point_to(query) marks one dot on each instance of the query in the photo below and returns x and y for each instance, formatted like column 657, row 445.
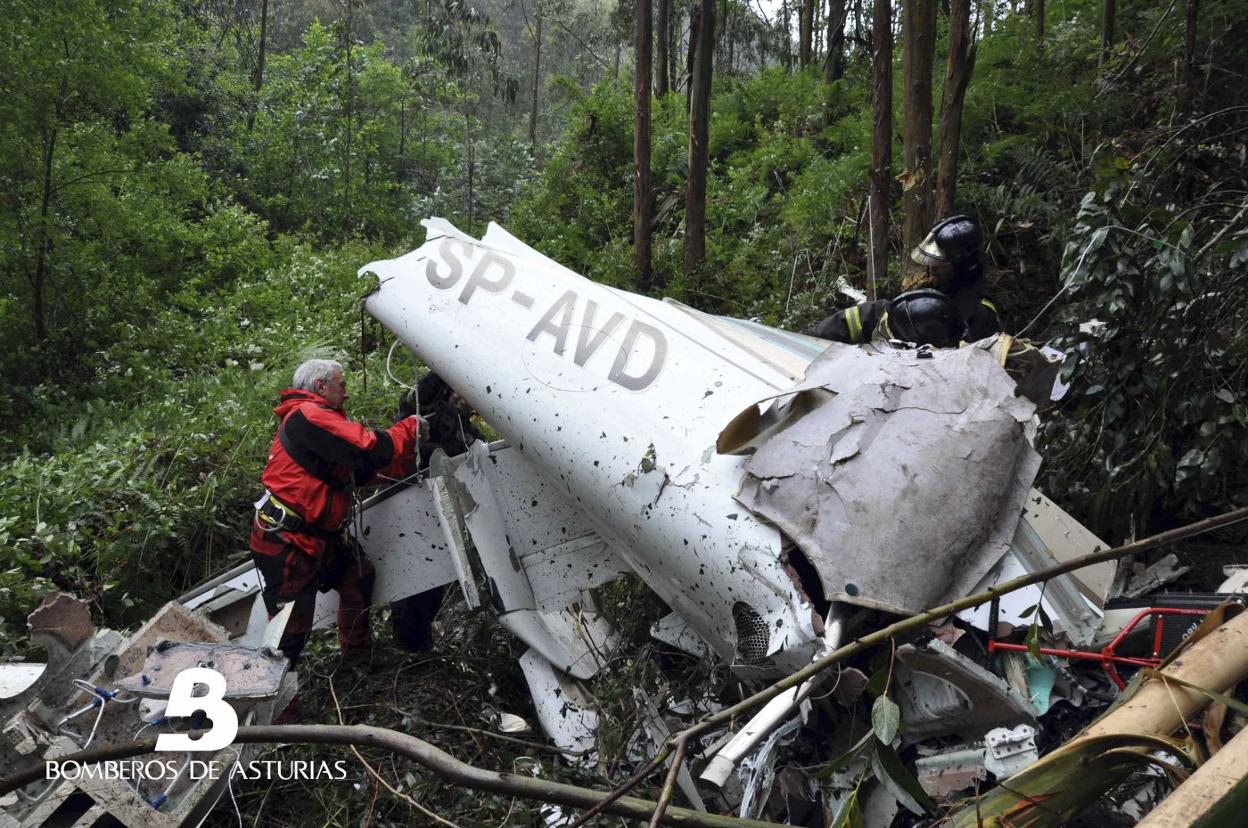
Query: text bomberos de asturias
column 157, row 769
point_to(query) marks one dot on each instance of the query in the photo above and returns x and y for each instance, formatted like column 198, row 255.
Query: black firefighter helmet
column 955, row 240
column 924, row 317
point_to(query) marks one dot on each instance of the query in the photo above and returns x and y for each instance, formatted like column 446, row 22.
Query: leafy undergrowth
column 453, row 699
column 129, row 499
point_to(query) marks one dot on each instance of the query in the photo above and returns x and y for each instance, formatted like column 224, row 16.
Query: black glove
column 408, row 405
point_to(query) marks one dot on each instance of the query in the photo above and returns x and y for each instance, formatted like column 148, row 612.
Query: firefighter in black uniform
column 944, row 300
column 450, row 429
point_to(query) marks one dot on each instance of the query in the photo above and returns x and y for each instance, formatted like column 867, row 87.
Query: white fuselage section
column 618, row 400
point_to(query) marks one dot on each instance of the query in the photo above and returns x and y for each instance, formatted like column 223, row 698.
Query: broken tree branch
column 623, row 788
column 669, row 784
column 916, row 621
column 424, row 754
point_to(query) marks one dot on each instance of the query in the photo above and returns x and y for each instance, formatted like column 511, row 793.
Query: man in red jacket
column 298, row 538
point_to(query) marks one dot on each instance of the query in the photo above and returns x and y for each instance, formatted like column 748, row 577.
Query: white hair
column 309, row 372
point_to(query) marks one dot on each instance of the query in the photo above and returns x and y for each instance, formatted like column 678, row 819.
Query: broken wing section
column 539, row 556
column 904, row 477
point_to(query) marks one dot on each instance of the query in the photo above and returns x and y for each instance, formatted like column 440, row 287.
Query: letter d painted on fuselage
column 636, row 331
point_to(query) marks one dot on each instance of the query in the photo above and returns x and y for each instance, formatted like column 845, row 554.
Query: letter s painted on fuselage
column 494, row 272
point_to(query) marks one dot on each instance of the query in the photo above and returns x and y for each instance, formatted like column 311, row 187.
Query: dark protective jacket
column 855, row 325
column 449, row 429
column 317, row 456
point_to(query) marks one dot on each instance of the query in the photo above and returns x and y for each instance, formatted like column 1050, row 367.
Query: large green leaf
column 885, row 719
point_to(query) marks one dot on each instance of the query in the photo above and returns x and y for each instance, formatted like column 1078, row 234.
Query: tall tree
column 1187, row 77
column 1107, row 31
column 918, row 30
column 805, row 33
column 663, row 56
column 881, row 136
column 349, row 110
column 958, row 70
column 76, row 79
column 702, row 49
column 834, row 65
column 537, row 74
column 258, row 79
column 786, row 31
column 642, row 209
column 1036, row 8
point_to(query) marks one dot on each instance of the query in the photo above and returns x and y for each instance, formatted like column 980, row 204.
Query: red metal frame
column 1108, row 656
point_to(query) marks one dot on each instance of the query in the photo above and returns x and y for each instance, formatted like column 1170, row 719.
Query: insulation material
column 904, row 485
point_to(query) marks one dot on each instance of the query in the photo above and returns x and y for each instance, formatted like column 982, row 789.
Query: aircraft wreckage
column 781, row 494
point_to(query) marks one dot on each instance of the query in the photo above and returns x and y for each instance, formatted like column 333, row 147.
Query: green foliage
column 1158, row 422
column 139, row 498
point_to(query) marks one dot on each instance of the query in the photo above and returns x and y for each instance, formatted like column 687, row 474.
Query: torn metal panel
column 1236, row 580
column 672, row 629
column 16, row 677
column 1065, row 539
column 945, row 775
column 404, row 523
column 1009, row 750
column 447, row 503
column 62, row 619
column 578, row 641
column 566, row 712
column 1165, row 570
column 510, row 589
column 911, row 460
column 942, row 691
column 658, row 733
column 249, row 674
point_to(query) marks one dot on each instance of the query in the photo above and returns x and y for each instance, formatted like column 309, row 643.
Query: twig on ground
column 377, row 776
column 669, row 784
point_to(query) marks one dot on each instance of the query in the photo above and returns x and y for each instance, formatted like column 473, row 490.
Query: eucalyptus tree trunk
column 834, row 66
column 662, row 44
column 43, row 239
column 699, row 127
column 537, row 74
column 786, row 16
column 805, row 32
column 1107, row 31
column 350, row 117
column 881, row 136
column 958, row 70
column 642, row 210
column 258, row 80
column 918, row 29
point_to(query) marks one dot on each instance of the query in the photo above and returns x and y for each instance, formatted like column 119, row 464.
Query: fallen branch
column 669, row 784
column 424, row 754
column 621, row 789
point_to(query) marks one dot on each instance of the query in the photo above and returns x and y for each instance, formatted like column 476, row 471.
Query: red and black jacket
column 317, row 456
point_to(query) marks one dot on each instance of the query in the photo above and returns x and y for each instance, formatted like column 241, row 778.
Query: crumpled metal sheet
column 904, row 481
